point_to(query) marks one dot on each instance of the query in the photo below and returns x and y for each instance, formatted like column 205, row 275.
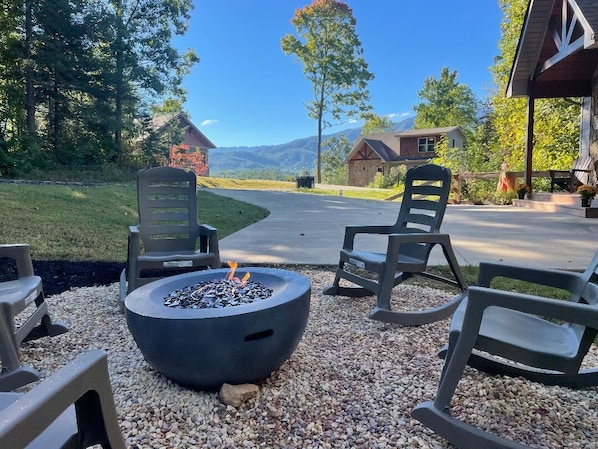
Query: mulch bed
column 61, row 275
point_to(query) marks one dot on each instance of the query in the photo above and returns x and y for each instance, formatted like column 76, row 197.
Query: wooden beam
column 529, row 135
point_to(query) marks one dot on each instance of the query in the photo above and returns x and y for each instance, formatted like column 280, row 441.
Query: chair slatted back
column 167, row 204
column 426, row 195
column 581, row 171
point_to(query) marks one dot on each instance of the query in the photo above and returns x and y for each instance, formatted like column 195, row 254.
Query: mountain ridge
column 292, row 157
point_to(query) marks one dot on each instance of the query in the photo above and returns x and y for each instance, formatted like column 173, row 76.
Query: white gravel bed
column 351, row 383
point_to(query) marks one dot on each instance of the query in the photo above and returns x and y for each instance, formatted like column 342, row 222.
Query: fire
column 233, row 266
column 231, row 276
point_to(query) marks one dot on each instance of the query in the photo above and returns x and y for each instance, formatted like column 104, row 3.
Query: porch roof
column 557, row 52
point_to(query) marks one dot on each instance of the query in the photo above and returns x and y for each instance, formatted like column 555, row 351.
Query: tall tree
column 330, row 51
column 146, row 65
column 446, row 102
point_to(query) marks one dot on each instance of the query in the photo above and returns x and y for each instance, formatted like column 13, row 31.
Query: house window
column 425, row 144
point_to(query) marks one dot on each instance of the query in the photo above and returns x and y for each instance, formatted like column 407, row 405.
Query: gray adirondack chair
column 410, row 241
column 168, row 239
column 73, row 408
column 24, row 316
column 541, row 339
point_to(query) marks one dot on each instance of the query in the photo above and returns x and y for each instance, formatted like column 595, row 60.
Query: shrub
column 478, row 190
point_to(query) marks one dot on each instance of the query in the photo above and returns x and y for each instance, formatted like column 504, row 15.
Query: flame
column 245, row 278
column 231, row 276
column 233, row 266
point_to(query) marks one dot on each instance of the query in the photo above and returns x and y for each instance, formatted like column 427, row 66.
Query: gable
column 193, row 136
column 383, row 146
column 557, row 50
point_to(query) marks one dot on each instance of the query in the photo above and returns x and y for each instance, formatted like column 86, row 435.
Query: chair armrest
column 208, row 239
column 554, row 173
column 84, row 382
column 134, row 241
column 352, row 231
column 20, row 253
column 567, row 280
column 421, row 237
column 205, row 229
column 429, row 238
column 480, row 298
column 133, row 248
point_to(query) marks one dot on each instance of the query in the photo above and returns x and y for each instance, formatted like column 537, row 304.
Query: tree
column 331, row 54
column 146, row 65
column 75, row 76
column 375, row 123
column 556, row 121
column 334, row 169
column 445, row 102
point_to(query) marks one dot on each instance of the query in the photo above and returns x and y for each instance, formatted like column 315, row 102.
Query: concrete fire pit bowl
column 204, row 348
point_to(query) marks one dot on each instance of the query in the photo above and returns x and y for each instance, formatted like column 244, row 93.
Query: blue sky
column 245, row 91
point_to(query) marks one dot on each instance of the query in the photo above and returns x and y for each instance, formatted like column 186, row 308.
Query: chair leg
column 122, row 291
column 382, row 312
column 333, row 289
column 17, row 378
column 13, row 375
column 462, row 435
column 46, row 328
column 436, row 414
column 337, row 290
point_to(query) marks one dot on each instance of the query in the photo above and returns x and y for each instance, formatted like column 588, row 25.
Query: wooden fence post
column 456, row 189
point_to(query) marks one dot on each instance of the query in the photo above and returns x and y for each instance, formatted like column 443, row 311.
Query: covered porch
column 557, row 57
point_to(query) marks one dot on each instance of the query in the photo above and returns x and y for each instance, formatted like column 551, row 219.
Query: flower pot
column 585, row 202
column 521, row 195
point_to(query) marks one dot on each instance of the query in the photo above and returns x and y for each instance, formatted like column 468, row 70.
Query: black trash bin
column 305, row 181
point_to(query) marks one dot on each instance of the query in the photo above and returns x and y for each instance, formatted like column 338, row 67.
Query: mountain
column 292, row 157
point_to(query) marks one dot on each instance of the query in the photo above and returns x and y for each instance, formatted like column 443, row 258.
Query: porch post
column 529, row 135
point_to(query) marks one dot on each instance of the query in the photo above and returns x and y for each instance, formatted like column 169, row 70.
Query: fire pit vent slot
column 259, row 335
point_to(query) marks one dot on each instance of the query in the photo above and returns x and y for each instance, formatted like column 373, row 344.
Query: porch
column 560, row 203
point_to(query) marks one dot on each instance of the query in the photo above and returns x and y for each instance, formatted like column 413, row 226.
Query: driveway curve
column 308, row 229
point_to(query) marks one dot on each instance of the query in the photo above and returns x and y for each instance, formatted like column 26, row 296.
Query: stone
column 236, row 395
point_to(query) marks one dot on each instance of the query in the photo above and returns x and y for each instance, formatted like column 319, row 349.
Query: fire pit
column 203, row 348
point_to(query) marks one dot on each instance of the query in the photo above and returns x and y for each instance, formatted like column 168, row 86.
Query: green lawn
column 91, row 223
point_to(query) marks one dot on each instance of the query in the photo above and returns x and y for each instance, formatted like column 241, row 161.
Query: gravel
column 351, row 383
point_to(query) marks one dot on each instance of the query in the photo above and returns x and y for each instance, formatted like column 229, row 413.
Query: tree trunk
column 319, row 153
column 29, row 94
column 119, row 86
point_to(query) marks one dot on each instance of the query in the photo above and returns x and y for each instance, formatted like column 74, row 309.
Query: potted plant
column 587, row 193
column 522, row 189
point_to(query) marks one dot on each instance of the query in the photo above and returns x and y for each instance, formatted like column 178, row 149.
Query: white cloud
column 208, row 122
column 398, row 114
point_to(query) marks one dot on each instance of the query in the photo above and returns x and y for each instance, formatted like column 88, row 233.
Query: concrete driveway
column 309, row 229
